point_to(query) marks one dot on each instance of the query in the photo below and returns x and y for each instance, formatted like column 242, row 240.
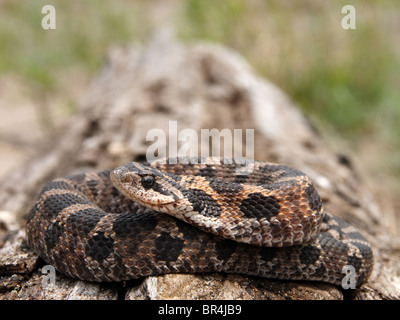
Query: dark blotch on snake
column 126, row 226
column 92, row 184
column 84, row 221
column 224, row 187
column 167, row 248
column 314, row 201
column 225, row 249
column 309, row 255
column 99, row 247
column 54, row 204
column 355, row 262
column 203, row 203
column 267, row 254
column 191, row 234
column 115, row 192
column 255, row 205
column 53, row 233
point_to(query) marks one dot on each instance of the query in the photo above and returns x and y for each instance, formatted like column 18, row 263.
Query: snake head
column 146, row 186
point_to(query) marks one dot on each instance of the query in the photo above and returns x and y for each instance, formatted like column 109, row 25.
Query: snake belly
column 88, row 229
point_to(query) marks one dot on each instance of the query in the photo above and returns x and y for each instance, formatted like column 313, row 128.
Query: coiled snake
column 142, row 219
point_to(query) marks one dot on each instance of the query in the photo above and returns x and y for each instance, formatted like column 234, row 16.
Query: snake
column 206, row 216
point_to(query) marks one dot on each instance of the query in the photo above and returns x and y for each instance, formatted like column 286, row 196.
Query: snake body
column 148, row 219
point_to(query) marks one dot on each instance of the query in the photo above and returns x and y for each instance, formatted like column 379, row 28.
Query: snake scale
column 148, row 219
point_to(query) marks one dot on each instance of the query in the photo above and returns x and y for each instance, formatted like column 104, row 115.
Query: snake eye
column 148, row 182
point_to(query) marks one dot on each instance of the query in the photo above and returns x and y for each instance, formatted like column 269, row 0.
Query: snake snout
column 121, row 174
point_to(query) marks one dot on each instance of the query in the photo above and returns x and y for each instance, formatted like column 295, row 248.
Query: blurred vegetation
column 84, row 32
column 347, row 81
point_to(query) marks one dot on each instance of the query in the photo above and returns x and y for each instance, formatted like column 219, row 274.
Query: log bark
column 201, row 86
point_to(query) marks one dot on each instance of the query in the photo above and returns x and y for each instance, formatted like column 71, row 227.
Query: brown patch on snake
column 88, row 230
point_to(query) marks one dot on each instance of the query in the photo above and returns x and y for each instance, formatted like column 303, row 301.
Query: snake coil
column 141, row 219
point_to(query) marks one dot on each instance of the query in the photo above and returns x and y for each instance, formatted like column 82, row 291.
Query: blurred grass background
column 346, row 81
